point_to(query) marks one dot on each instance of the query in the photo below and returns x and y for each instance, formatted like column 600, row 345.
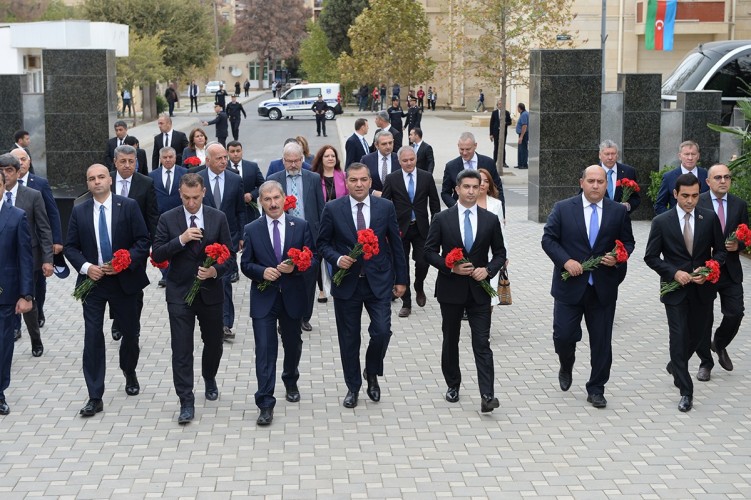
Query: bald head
column 593, row 183
column 24, row 160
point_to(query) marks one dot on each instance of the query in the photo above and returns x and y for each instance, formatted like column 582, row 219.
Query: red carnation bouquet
column 367, row 246
column 158, row 265
column 301, row 259
column 193, row 161
column 216, row 252
column 619, row 252
column 290, row 202
column 120, row 261
column 711, row 270
column 742, row 233
column 629, row 187
column 456, row 256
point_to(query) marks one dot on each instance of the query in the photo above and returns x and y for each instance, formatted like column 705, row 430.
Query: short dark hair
column 125, row 149
column 8, row 160
column 685, row 180
column 467, row 172
column 522, row 106
column 232, row 144
column 20, row 134
column 359, row 123
column 191, row 180
column 131, row 141
column 417, row 131
column 121, row 123
column 356, row 166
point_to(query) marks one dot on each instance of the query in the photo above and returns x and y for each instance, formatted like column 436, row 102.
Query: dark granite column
column 79, row 101
column 11, row 109
column 699, row 108
column 641, row 131
column 564, row 124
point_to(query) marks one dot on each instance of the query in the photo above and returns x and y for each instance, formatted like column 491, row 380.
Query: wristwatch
column 30, row 298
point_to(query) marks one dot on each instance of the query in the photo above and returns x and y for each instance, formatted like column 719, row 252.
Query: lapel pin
column 701, row 217
column 291, row 223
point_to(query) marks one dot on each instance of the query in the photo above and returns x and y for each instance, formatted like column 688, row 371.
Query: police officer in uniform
column 319, row 108
column 234, row 109
column 414, row 115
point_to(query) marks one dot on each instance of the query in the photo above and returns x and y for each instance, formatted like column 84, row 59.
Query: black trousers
column 687, row 322
column 321, row 124
column 182, row 320
column 479, row 325
column 193, row 102
column 235, row 124
column 414, row 241
column 567, row 332
column 731, row 304
column 310, row 289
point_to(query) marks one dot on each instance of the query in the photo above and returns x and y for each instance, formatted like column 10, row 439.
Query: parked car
column 298, row 101
column 723, row 66
column 213, row 86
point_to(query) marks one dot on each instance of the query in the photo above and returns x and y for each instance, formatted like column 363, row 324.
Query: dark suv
column 723, row 66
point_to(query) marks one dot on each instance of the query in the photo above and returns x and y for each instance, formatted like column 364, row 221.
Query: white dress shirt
column 212, row 183
column 588, row 212
column 405, row 176
column 108, row 216
column 681, row 214
column 472, row 219
column 119, row 183
column 172, row 178
column 14, row 194
column 471, row 164
column 380, row 165
column 270, row 226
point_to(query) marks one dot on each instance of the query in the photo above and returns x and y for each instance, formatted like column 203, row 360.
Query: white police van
column 298, row 101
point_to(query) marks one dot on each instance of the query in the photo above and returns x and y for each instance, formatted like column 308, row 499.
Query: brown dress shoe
column 420, row 298
column 404, row 312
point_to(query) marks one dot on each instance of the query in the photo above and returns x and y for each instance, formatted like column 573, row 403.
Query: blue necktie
column 104, row 237
column 594, row 228
column 611, row 185
column 277, row 242
column 411, row 192
column 469, row 238
column 9, row 198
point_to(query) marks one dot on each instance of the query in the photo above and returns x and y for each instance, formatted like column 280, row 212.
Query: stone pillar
column 11, row 109
column 641, row 131
column 699, row 108
column 564, row 124
column 80, row 99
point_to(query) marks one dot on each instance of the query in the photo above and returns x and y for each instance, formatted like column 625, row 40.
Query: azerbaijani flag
column 658, row 28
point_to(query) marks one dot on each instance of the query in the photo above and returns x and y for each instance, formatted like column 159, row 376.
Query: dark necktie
column 411, row 191
column 20, row 181
column 360, row 217
column 277, row 242
column 195, row 246
column 384, row 170
column 166, row 140
column 9, row 198
column 365, row 145
column 168, row 187
column 217, row 193
column 104, row 236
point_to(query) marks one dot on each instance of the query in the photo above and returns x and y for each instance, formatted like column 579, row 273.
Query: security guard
column 319, row 108
column 234, row 109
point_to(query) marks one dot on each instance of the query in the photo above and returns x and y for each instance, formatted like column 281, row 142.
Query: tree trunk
column 149, row 102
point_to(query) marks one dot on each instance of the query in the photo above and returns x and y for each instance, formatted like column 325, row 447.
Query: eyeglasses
column 292, row 162
column 719, row 178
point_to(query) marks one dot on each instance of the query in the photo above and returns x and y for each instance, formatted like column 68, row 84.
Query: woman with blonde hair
column 488, row 199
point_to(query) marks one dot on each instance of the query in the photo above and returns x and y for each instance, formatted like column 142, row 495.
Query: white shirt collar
column 25, row 179
column 107, row 203
column 463, row 209
column 587, row 203
column 270, row 221
column 198, row 214
column 353, row 202
column 119, row 180
column 715, row 198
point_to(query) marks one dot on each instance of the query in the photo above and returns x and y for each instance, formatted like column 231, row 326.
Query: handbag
column 504, row 287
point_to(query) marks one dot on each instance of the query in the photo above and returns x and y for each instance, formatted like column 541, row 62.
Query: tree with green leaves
column 316, row 60
column 272, row 29
column 16, row 11
column 390, row 42
column 144, row 64
column 336, row 18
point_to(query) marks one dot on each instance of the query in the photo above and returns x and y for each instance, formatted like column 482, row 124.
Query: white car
column 299, row 100
column 213, row 86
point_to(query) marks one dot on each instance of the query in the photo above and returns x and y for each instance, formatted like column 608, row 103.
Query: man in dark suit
column 166, row 180
column 278, row 164
column 478, row 233
column 500, row 119
column 269, row 240
column 31, row 202
column 688, row 153
column 222, row 124
column 306, row 187
column 578, row 228
column 468, row 159
column 370, row 283
column 225, row 192
column 381, row 162
column 731, row 211
column 423, row 150
column 22, row 140
column 616, row 171
column 382, row 122
column 26, row 178
column 356, row 146
column 168, row 137
column 416, row 201
column 193, row 94
column 251, row 175
column 121, row 132
column 680, row 241
column 16, row 280
column 99, row 227
column 181, row 238
column 142, row 164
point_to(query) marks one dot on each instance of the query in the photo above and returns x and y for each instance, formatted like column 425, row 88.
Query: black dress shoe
column 132, row 387
column 116, row 334
column 212, row 391
column 564, row 379
column 404, row 312
column 488, row 403
column 350, row 400
column 703, row 375
column 41, row 322
column 235, row 278
column 452, row 395
column 293, row 394
column 93, row 406
column 723, row 358
column 228, row 333
column 420, row 298
column 4, row 408
column 323, row 300
column 187, row 413
column 16, row 335
column 374, row 390
column 305, row 325
column 687, row 402
column 266, row 416
column 597, row 400
column 37, row 350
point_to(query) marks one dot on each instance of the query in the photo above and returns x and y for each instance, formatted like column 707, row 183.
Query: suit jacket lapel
column 289, row 235
column 347, row 217
column 117, row 211
column 455, row 232
column 266, row 239
column 579, row 218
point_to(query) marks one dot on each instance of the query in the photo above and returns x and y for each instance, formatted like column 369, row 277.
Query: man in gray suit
column 30, row 201
column 306, row 187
